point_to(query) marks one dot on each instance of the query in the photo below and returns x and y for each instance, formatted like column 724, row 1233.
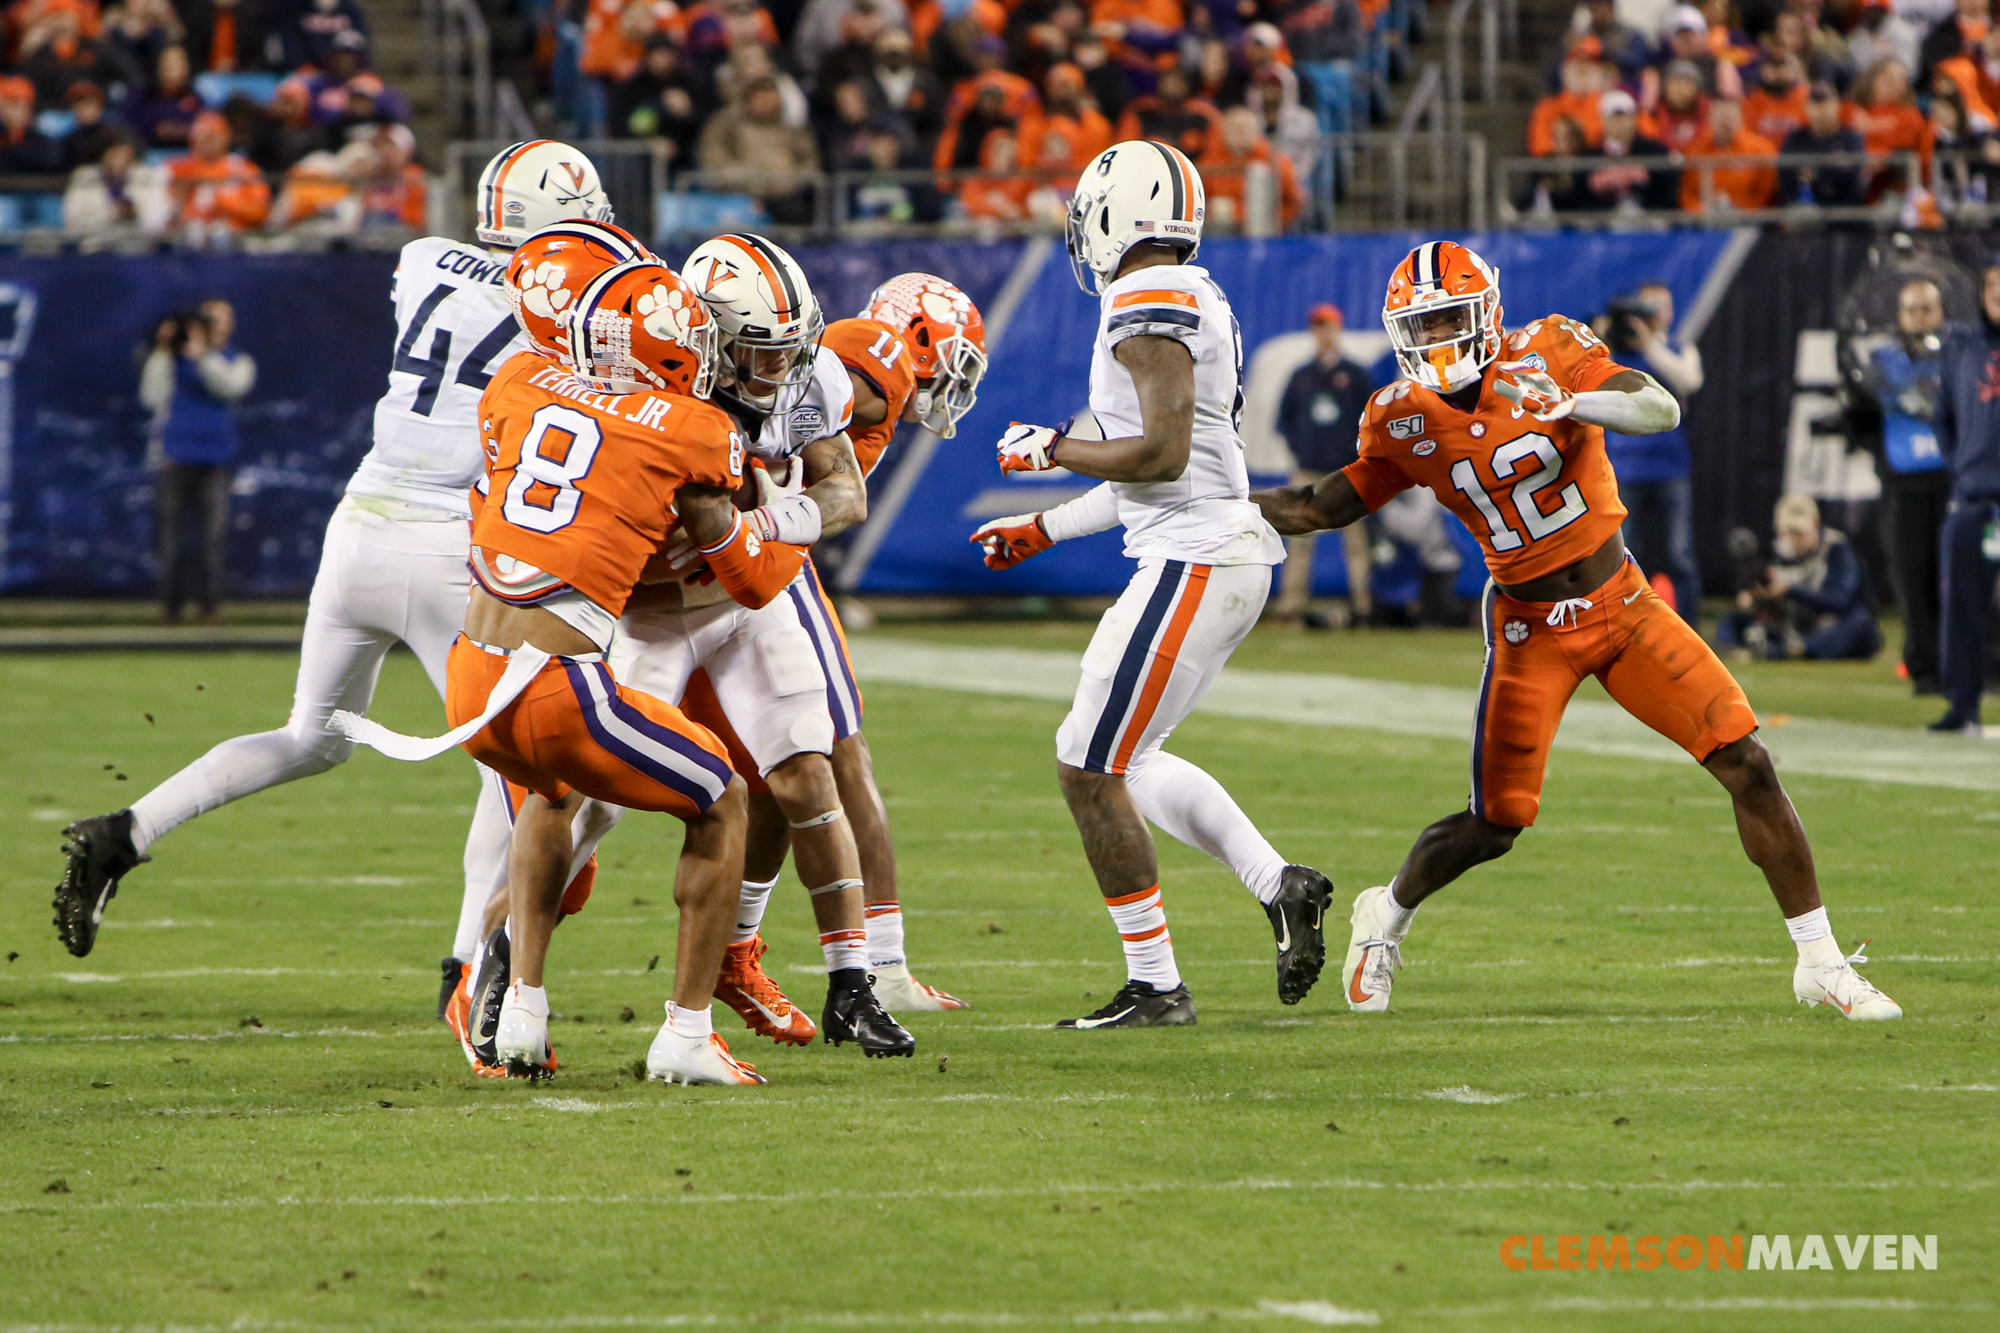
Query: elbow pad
column 751, row 570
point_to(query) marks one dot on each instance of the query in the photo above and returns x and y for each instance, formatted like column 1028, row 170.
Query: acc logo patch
column 807, row 422
column 1535, row 359
column 1406, row 428
column 1424, row 448
column 1516, row 631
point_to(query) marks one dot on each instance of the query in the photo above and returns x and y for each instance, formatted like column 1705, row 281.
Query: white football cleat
column 691, row 1060
column 521, row 1040
column 898, row 990
column 1839, row 985
column 1372, row 957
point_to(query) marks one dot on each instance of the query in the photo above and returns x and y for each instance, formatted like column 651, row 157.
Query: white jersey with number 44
column 454, row 328
column 1205, row 515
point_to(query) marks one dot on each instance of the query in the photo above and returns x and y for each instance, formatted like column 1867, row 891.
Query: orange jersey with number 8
column 580, row 484
column 877, row 354
column 1538, row 495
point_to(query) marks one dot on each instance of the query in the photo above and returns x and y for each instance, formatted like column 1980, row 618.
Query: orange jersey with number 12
column 580, row 484
column 1538, row 495
column 877, row 354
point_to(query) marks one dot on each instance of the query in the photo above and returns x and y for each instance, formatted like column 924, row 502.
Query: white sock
column 1189, row 805
column 485, row 863
column 1149, row 949
column 532, row 998
column 693, row 1024
column 232, row 769
column 1399, row 915
column 885, row 934
column 844, row 949
column 1814, row 936
column 751, row 900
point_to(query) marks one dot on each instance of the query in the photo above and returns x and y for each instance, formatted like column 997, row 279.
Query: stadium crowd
column 1024, row 92
column 1914, row 84
column 204, row 120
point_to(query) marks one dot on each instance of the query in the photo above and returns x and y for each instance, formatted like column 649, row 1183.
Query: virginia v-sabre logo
column 1524, row 1253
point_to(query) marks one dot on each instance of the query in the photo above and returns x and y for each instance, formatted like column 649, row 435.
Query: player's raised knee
column 1744, row 767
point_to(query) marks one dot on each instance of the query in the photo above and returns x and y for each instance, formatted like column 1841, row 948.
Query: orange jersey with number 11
column 878, row 355
column 580, row 484
column 1538, row 495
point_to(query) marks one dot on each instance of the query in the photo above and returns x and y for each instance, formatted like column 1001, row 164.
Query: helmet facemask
column 1446, row 345
column 950, row 394
column 1083, row 209
column 769, row 375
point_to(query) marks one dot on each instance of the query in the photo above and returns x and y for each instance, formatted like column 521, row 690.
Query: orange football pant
column 575, row 727
column 1537, row 653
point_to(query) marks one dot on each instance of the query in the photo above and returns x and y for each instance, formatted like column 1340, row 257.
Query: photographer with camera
column 191, row 381
column 1810, row 601
column 1652, row 470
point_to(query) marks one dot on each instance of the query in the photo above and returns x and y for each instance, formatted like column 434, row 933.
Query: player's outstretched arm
column 1630, row 402
column 1163, row 374
column 1294, row 510
column 835, row 484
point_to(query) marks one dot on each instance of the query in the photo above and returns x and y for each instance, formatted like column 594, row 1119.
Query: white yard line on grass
column 1802, row 745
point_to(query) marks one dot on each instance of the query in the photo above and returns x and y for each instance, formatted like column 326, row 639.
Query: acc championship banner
column 1040, row 369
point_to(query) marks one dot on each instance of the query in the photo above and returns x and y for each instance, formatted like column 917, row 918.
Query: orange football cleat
column 458, row 1015
column 745, row 987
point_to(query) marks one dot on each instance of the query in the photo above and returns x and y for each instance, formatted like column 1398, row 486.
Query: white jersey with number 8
column 454, row 328
column 1205, row 515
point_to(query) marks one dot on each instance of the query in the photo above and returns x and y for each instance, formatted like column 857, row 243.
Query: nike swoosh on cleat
column 1100, row 1022
column 1834, row 1000
column 1285, row 940
column 784, row 1025
column 1354, row 991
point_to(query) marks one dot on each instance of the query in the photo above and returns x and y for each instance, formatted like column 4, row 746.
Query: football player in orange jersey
column 596, row 468
column 1515, row 448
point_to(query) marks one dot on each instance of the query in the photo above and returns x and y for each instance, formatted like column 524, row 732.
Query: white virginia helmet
column 770, row 319
column 533, row 184
column 1139, row 190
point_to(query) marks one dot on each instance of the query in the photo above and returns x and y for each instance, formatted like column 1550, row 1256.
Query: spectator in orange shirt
column 1172, row 116
column 1232, row 161
column 1777, row 105
column 609, row 55
column 1681, row 115
column 216, row 193
column 1886, row 116
column 1973, row 74
column 1004, row 199
column 1745, row 186
column 1584, row 80
column 1151, row 26
column 981, row 104
column 392, row 193
column 1072, row 130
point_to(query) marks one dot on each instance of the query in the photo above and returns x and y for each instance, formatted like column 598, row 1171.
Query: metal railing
column 1455, row 25
column 463, row 47
column 1531, row 191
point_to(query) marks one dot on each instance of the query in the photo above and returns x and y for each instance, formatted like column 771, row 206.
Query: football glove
column 1009, row 541
column 794, row 519
column 1026, row 448
column 1532, row 391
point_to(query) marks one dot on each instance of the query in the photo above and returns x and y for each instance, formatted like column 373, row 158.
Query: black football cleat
column 99, row 852
column 488, row 994
column 1139, row 1005
column 1297, row 915
column 453, row 970
column 854, row 1014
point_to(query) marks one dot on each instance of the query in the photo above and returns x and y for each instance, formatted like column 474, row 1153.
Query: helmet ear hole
column 1104, row 220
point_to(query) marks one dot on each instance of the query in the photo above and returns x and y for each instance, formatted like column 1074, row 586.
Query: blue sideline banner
column 1040, row 371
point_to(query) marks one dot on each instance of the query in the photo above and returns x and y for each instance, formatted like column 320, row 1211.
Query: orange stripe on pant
column 1162, row 668
column 1647, row 658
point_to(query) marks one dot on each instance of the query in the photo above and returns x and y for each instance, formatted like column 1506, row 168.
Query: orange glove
column 1009, row 541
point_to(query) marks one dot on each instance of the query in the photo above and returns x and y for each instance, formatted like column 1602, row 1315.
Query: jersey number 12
column 1507, row 460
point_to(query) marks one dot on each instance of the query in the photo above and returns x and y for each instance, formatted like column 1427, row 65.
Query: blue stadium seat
column 215, row 89
column 707, row 214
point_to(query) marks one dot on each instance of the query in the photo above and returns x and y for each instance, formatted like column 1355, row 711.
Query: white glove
column 795, row 519
column 1026, row 448
column 1532, row 391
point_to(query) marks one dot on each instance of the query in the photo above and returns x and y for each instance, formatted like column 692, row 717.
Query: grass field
column 239, row 1113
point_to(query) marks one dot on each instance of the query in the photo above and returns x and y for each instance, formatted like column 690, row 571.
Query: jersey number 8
column 560, row 446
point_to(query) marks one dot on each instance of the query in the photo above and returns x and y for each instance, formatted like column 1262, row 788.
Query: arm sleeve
column 1679, row 370
column 1377, row 480
column 156, row 381
column 1096, row 510
column 227, row 377
column 753, row 573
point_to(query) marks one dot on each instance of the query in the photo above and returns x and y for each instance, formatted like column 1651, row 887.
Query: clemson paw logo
column 1516, row 631
column 543, row 290
column 664, row 311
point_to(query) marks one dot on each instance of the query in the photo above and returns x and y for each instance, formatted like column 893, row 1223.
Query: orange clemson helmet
column 947, row 341
column 552, row 267
column 639, row 326
column 1443, row 315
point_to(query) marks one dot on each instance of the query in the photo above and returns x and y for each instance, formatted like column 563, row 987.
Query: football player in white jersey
column 1166, row 391
column 393, row 564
